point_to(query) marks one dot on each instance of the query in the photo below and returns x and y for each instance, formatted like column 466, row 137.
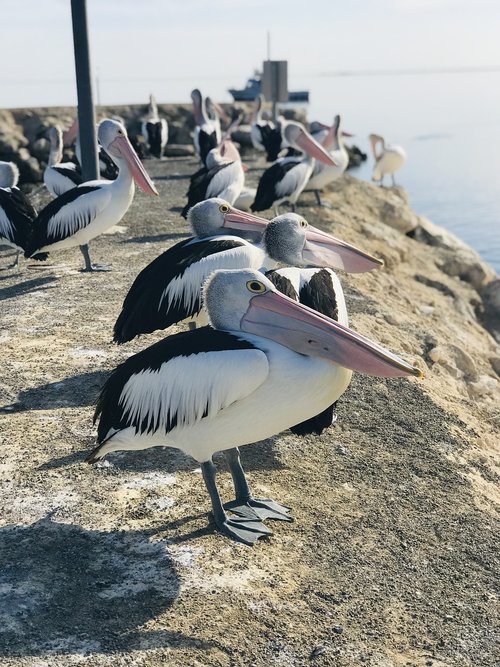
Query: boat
column 252, row 89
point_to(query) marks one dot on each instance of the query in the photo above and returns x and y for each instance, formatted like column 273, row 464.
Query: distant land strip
column 413, row 71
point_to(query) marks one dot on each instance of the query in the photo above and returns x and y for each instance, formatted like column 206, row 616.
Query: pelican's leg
column 276, row 211
column 15, row 263
column 293, row 207
column 393, row 181
column 245, row 504
column 320, row 202
column 246, row 530
column 88, row 264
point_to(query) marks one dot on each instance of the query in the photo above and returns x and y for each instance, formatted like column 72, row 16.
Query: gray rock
column 12, row 137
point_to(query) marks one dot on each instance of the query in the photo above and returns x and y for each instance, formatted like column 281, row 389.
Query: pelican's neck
column 56, row 151
column 374, row 140
column 125, row 180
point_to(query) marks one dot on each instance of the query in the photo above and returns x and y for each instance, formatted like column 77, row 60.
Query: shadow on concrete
column 27, row 286
column 75, row 391
column 67, row 590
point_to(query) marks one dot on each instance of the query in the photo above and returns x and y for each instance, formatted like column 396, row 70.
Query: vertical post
column 86, row 113
column 268, row 45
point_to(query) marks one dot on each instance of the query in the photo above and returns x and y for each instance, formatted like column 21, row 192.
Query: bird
column 154, row 130
column 235, row 382
column 167, row 290
column 388, row 160
column 320, row 289
column 207, row 133
column 222, row 176
column 107, row 168
column 264, row 134
column 287, row 177
column 16, row 213
column 59, row 176
column 321, row 174
column 81, row 214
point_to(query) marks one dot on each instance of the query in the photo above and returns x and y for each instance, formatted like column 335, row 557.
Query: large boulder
column 12, row 137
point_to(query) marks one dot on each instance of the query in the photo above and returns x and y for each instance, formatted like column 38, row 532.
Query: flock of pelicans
column 268, row 348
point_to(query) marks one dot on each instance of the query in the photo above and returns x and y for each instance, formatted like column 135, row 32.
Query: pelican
column 59, row 176
column 223, row 176
column 167, row 291
column 207, row 134
column 16, row 213
column 322, row 175
column 154, row 130
column 233, row 383
column 84, row 212
column 264, row 134
column 320, row 289
column 286, row 178
column 388, row 160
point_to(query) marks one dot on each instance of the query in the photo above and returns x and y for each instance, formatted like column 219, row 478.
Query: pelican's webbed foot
column 263, row 508
column 242, row 529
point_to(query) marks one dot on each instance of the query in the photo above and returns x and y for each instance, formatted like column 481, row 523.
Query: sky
column 169, row 47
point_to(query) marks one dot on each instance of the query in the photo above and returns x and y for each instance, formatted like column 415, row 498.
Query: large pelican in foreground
column 388, row 159
column 84, row 212
column 167, row 291
column 233, row 383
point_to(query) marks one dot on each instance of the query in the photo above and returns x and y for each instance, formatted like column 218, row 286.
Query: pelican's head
column 216, row 216
column 113, row 138
column 291, row 240
column 244, row 300
column 296, row 135
column 9, row 174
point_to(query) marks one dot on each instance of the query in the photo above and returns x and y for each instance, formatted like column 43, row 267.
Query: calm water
column 449, row 125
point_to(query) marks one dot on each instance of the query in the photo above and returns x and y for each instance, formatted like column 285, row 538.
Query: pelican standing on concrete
column 167, row 291
column 388, row 159
column 234, row 383
column 59, row 176
column 322, row 175
column 207, row 132
column 286, row 178
column 16, row 213
column 154, row 130
column 84, row 212
column 223, row 176
column 264, row 134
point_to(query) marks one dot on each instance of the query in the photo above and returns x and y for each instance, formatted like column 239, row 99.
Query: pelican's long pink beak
column 241, row 220
column 123, row 148
column 321, row 249
column 310, row 146
column 277, row 317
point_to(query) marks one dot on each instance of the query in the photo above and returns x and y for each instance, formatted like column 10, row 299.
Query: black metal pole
column 86, row 113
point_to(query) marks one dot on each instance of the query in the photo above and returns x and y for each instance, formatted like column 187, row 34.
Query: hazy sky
column 170, row 46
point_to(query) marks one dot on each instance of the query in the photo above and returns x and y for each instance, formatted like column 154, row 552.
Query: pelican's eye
column 223, row 208
column 256, row 286
column 303, row 223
